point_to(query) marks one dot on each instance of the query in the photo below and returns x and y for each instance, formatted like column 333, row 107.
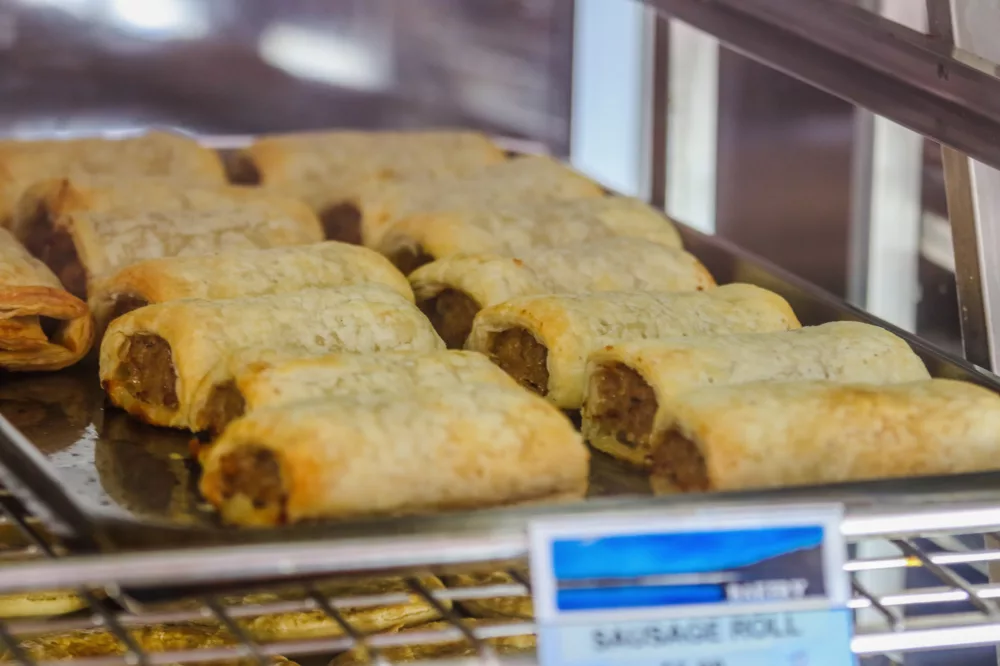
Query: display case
column 297, row 594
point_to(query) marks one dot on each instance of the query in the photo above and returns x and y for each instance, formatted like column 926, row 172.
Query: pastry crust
column 82, row 247
column 264, row 378
column 616, row 264
column 155, row 154
column 329, row 170
column 523, row 179
column 630, row 386
column 423, row 651
column 514, row 228
column 30, row 298
column 472, row 446
column 556, row 333
column 242, row 273
column 775, row 434
column 160, row 362
column 520, row 607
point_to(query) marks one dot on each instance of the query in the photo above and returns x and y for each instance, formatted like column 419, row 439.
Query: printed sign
column 717, row 587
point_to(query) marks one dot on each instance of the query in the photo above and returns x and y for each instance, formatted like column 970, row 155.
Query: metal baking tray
column 105, row 481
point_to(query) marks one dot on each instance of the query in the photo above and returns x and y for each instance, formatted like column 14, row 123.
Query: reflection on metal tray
column 123, row 484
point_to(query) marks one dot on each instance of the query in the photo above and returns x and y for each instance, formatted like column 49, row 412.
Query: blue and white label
column 719, row 587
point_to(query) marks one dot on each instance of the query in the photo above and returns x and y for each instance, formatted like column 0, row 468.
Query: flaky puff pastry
column 242, row 273
column 150, row 638
column 517, row 606
column 432, row 647
column 544, row 341
column 517, row 180
column 481, row 280
column 471, row 446
column 81, row 247
column 161, row 362
column 630, row 386
column 30, row 297
column 156, row 154
column 775, row 434
column 264, row 378
column 513, row 228
column 329, row 170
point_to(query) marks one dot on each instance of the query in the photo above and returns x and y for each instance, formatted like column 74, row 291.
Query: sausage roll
column 328, row 170
column 422, row 650
column 155, row 362
column 156, row 154
column 42, row 326
column 468, row 446
column 543, row 341
column 514, row 228
column 513, row 606
column 151, row 638
column 630, row 385
column 38, row 604
column 299, row 625
column 80, row 247
column 522, row 179
column 774, row 434
column 269, row 379
column 242, row 273
column 451, row 291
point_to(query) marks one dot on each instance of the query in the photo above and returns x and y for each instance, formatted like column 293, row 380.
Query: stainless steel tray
column 105, row 481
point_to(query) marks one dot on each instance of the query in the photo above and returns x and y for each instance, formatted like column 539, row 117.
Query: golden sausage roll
column 519, row 180
column 630, row 386
column 421, row 650
column 543, row 341
column 329, row 170
column 156, row 154
column 775, row 434
column 470, row 446
column 451, row 291
column 39, row 603
column 241, row 273
column 80, row 247
column 263, row 378
column 42, row 326
column 160, row 362
column 514, row 228
column 513, row 606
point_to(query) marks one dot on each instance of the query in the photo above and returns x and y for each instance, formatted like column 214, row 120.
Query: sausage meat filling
column 409, row 259
column 521, row 356
column 147, row 370
column 126, row 303
column 342, row 222
column 254, row 472
column 677, row 459
column 225, row 403
column 451, row 313
column 55, row 248
column 623, row 404
column 241, row 169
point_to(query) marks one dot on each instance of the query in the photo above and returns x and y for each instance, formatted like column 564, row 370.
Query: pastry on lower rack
column 154, row 360
column 451, row 291
column 264, row 378
column 513, row 607
column 472, row 227
column 471, row 446
column 776, row 434
column 630, row 385
column 414, row 610
column 150, row 638
column 328, row 170
column 155, row 154
column 45, row 603
column 543, row 341
column 241, row 273
column 80, row 247
column 421, row 649
column 519, row 180
column 42, row 326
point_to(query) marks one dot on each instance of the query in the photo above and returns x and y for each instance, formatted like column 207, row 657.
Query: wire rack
column 954, row 605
